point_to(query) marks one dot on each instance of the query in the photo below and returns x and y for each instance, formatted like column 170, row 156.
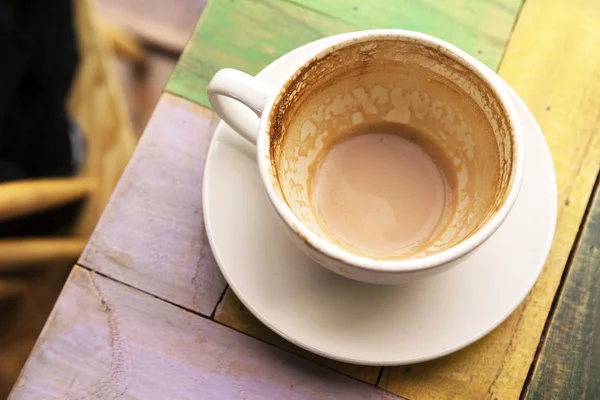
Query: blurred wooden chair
column 97, row 104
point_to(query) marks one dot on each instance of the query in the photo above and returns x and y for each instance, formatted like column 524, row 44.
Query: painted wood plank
column 106, row 340
column 232, row 312
column 497, row 365
column 151, row 234
column 558, row 77
column 249, row 34
column 569, row 362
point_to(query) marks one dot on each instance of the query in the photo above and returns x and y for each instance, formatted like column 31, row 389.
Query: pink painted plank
column 105, row 340
column 151, row 234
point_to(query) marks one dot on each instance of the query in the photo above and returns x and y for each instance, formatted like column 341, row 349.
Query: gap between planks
column 560, row 289
column 212, row 319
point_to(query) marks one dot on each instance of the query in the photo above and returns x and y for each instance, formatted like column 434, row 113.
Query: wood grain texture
column 232, row 312
column 249, row 34
column 541, row 64
column 569, row 363
column 151, row 234
column 106, row 340
column 562, row 95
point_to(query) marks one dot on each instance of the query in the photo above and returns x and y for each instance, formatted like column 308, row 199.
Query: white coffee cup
column 402, row 76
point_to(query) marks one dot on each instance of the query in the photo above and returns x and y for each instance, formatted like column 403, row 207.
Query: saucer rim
column 520, row 104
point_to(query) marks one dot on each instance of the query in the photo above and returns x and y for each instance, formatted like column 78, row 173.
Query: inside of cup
column 395, row 81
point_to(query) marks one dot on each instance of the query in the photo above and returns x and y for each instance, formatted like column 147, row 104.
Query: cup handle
column 233, row 84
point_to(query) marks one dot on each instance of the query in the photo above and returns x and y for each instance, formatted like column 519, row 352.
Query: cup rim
column 366, row 263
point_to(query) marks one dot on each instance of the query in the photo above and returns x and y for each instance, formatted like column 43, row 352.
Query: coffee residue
column 382, row 191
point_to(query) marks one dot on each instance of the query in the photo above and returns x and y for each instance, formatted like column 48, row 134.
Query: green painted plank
column 569, row 363
column 249, row 34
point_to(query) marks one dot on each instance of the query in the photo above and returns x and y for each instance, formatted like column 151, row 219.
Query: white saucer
column 361, row 323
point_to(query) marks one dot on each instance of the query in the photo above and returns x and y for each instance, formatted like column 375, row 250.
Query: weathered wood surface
column 151, row 234
column 231, row 312
column 569, row 363
column 249, row 34
column 509, row 350
column 540, row 63
column 106, row 340
column 142, row 237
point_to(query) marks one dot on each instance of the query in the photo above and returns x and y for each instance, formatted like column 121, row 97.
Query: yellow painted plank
column 553, row 62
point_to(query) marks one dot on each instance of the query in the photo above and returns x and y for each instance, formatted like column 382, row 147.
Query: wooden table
column 146, row 313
